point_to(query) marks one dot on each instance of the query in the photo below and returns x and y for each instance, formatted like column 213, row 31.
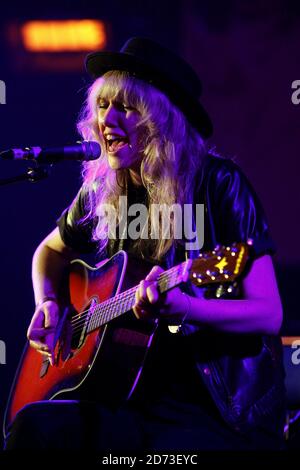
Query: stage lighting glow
column 63, row 35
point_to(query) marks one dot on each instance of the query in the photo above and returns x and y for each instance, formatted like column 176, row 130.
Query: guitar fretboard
column 106, row 311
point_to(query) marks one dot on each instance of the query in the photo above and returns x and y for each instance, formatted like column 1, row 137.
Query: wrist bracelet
column 45, row 299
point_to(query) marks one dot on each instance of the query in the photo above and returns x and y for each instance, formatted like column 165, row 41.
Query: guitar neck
column 122, row 303
column 223, row 264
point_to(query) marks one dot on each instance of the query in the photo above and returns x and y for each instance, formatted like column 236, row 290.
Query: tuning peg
column 227, row 273
column 198, row 277
column 212, row 274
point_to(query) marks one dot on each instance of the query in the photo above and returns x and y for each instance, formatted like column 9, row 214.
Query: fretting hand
column 150, row 303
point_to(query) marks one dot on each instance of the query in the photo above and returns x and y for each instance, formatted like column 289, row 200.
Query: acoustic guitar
column 98, row 339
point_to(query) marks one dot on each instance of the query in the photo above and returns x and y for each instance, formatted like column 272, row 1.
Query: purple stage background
column 247, row 54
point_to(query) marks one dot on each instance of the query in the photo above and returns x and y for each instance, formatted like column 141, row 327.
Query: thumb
column 51, row 317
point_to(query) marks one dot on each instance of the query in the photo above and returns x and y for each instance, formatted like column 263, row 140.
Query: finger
column 141, row 313
column 152, row 293
column 43, row 343
column 45, row 354
column 49, row 341
column 141, row 294
column 154, row 273
column 138, row 307
column 40, row 347
column 51, row 317
column 137, row 311
column 37, row 323
column 137, row 297
column 36, row 334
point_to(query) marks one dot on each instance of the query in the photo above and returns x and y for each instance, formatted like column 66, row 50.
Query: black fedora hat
column 153, row 63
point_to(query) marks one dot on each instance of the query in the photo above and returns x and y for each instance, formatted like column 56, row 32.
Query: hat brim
column 98, row 63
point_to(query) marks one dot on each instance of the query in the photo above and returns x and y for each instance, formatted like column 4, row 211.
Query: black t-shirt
column 233, row 213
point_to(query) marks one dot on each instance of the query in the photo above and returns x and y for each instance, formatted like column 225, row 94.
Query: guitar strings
column 109, row 304
column 103, row 308
column 164, row 277
column 99, row 309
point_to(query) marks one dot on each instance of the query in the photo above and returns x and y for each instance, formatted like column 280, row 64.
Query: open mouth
column 114, row 143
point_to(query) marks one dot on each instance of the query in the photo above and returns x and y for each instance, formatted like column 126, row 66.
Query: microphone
column 82, row 151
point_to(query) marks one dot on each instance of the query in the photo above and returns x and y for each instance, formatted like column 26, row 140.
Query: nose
column 110, row 117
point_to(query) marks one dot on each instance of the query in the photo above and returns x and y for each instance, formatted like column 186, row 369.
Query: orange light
column 62, row 36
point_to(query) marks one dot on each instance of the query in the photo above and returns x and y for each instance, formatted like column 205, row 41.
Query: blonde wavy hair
column 172, row 154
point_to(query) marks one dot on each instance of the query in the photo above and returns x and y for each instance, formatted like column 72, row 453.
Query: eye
column 123, row 107
column 102, row 105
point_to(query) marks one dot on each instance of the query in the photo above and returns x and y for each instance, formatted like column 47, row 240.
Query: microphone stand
column 44, row 159
column 32, row 175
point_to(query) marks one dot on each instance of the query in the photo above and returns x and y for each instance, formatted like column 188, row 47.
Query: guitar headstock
column 223, row 264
